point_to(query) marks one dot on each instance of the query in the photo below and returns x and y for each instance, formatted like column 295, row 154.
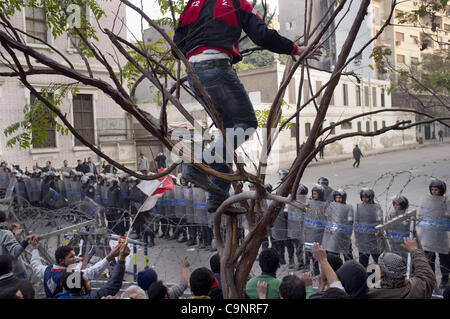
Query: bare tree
column 236, row 260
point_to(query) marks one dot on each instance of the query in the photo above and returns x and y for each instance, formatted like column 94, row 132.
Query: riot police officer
column 339, row 226
column 400, row 230
column 434, row 226
column 87, row 189
column 328, row 191
column 368, row 215
column 114, row 208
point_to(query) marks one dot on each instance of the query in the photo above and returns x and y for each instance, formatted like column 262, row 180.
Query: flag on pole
column 154, row 189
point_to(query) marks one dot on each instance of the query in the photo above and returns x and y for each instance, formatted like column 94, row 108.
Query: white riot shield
column 188, row 195
column 314, row 222
column 338, row 229
column 180, row 202
column 10, row 189
column 397, row 232
column 200, row 212
column 366, row 219
column 434, row 224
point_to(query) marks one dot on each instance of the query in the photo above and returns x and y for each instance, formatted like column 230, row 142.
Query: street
column 406, row 171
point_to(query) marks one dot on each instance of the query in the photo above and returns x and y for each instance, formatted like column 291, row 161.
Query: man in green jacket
column 269, row 263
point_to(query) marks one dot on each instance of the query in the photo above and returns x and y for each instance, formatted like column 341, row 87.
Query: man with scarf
column 394, row 284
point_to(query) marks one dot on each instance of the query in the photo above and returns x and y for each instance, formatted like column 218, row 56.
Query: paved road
column 406, row 171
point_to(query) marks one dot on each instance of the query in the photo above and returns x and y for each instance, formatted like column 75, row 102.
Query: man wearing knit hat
column 394, row 284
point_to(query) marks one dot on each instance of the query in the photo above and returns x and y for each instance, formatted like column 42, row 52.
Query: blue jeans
column 234, row 106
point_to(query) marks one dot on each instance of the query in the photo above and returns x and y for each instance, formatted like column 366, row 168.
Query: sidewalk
column 344, row 157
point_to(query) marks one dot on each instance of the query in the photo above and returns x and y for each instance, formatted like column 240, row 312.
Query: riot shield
column 294, row 222
column 170, row 203
column 104, row 195
column 314, row 222
column 50, row 198
column 3, row 178
column 21, row 193
column 28, row 187
column 180, row 202
column 124, row 189
column 338, row 228
column 397, row 232
column 200, row 212
column 161, row 205
column 366, row 216
column 36, row 185
column 280, row 226
column 188, row 196
column 68, row 188
column 76, row 190
column 98, row 194
column 434, row 224
column 328, row 193
column 10, row 189
column 89, row 206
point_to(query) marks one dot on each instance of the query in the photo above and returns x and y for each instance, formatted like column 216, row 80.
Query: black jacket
column 114, row 197
column 357, row 153
column 12, row 282
column 219, row 23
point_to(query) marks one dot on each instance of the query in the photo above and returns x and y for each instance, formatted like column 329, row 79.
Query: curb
column 383, row 151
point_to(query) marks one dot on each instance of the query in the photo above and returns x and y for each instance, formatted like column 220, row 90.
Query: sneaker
column 194, row 175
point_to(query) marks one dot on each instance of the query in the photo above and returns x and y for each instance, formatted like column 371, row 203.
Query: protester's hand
column 261, row 289
column 30, row 238
column 35, row 242
column 319, row 253
column 13, row 226
column 314, row 55
column 185, row 262
column 306, row 277
column 410, row 244
column 124, row 251
column 113, row 253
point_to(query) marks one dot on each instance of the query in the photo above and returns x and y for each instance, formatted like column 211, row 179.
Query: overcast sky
column 152, row 10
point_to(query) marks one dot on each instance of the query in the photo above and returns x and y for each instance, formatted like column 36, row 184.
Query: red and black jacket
column 218, row 24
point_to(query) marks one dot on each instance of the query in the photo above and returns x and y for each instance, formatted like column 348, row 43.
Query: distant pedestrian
column 441, row 136
column 321, row 149
column 90, row 166
column 357, row 156
column 66, row 167
column 161, row 160
column 142, row 164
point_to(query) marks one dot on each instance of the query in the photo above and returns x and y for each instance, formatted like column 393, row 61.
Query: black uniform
column 114, row 211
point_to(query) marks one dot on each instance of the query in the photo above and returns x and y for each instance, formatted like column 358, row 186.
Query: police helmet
column 367, row 192
column 85, row 179
column 302, row 190
column 439, row 184
column 401, row 200
column 342, row 193
column 319, row 189
column 283, row 173
column 323, row 181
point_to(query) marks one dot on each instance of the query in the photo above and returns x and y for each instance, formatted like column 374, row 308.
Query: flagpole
column 139, row 210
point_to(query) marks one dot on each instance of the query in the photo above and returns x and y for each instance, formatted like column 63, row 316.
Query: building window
column 366, row 96
column 399, row 37
column 83, row 28
column 374, row 97
column 367, row 126
column 345, row 88
column 307, row 129
column 400, row 58
column 359, row 127
column 83, row 117
column 293, row 130
column 306, row 95
column 35, row 24
column 383, row 104
column 358, row 95
column 50, row 141
column 318, row 87
column 333, row 130
column 375, row 126
column 414, row 39
column 346, row 126
column 383, row 124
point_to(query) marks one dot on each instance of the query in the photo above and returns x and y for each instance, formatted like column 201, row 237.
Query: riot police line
column 333, row 223
column 181, row 214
